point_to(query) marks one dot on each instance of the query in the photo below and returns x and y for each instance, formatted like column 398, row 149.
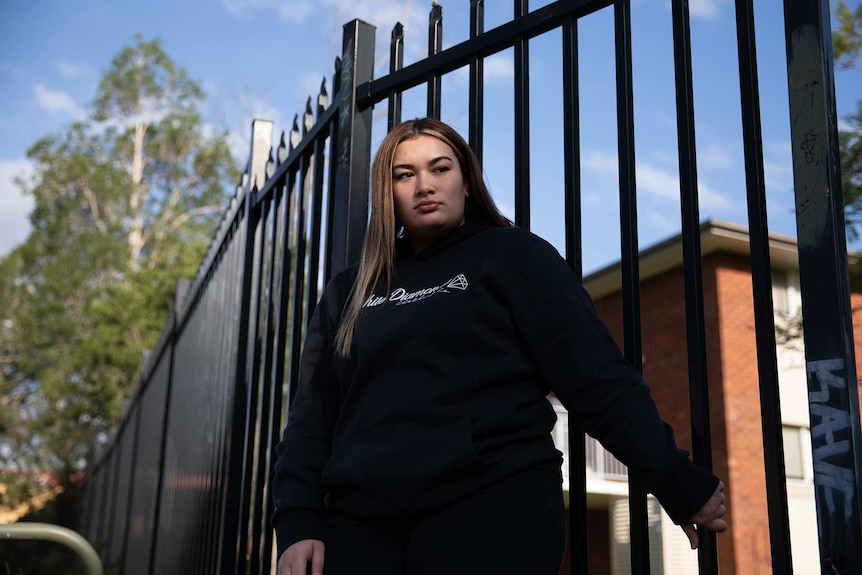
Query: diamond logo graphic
column 458, row 282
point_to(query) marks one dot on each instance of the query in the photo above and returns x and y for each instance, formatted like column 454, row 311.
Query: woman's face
column 428, row 189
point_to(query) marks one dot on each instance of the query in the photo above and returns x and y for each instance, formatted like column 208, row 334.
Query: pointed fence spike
column 322, row 98
column 436, row 12
column 282, row 149
column 238, row 191
column 308, row 117
column 336, row 77
column 270, row 166
column 294, row 133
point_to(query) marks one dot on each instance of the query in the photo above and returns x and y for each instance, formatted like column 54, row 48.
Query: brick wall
column 856, row 306
column 737, row 448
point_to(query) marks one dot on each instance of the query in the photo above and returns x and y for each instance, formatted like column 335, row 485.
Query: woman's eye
column 442, row 169
column 403, row 175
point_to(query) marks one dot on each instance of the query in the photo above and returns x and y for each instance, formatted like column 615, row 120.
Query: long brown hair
column 378, row 249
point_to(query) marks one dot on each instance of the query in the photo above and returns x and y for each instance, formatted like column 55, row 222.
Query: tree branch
column 94, row 207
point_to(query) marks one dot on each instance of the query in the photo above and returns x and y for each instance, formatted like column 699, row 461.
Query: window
column 794, row 458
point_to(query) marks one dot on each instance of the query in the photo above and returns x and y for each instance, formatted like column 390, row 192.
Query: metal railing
column 54, row 533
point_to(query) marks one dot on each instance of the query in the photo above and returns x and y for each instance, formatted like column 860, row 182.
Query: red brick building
column 737, row 444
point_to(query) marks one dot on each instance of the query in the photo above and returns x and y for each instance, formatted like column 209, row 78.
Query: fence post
column 833, row 400
column 352, row 148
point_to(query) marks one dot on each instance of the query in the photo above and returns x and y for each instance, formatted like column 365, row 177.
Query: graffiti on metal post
column 831, row 445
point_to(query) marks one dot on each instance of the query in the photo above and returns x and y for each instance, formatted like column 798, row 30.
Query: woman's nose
column 423, row 185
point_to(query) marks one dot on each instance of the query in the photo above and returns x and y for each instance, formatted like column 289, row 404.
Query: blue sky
column 263, row 58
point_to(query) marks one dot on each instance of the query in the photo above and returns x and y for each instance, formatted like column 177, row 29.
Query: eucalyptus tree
column 125, row 203
column 846, row 45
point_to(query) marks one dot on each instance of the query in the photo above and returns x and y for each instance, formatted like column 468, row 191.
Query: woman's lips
column 426, row 206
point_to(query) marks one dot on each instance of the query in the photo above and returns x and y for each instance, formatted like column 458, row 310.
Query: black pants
column 514, row 527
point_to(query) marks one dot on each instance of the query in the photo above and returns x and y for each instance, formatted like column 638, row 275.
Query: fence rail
column 184, row 485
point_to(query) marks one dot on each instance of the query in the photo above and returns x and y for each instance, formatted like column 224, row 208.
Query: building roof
column 715, row 236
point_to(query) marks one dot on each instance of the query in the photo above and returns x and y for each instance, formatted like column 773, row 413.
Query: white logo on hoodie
column 402, row 296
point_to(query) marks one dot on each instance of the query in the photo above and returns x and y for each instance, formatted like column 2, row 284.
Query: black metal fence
column 184, row 485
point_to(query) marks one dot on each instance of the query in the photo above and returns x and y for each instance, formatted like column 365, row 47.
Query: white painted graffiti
column 830, row 435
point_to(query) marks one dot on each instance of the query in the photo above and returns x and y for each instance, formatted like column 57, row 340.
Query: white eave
column 715, row 236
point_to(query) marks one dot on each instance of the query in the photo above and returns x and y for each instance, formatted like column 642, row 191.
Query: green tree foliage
column 846, row 46
column 125, row 204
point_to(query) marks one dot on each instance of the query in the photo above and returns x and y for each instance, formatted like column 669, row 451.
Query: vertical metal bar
column 210, row 327
column 692, row 269
column 629, row 258
column 296, row 327
column 328, row 260
column 316, row 222
column 280, row 347
column 435, row 46
column 138, row 406
column 579, row 551
column 352, row 148
column 396, row 62
column 104, row 478
column 85, row 519
column 172, row 346
column 761, row 277
column 308, row 171
column 234, row 492
column 572, row 145
column 824, row 280
column 110, row 504
column 522, row 123
column 195, row 508
column 299, row 279
column 256, row 445
column 477, row 79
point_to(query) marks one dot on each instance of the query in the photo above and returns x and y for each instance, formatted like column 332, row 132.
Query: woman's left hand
column 709, row 517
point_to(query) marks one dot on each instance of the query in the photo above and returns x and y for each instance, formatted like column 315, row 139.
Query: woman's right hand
column 295, row 558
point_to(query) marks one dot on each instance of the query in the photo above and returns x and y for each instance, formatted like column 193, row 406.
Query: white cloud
column 711, row 199
column 664, row 184
column 69, row 69
column 701, row 9
column 655, row 182
column 287, row 10
column 500, row 66
column 383, row 13
column 57, row 102
column 663, row 221
column 599, row 161
column 714, row 157
column 704, row 9
column 14, row 217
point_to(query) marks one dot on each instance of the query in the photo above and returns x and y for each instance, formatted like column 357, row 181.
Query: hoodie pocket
column 402, row 469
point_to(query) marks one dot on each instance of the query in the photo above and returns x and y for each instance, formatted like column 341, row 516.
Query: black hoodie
column 445, row 389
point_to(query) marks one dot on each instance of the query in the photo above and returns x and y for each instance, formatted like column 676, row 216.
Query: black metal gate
column 184, row 485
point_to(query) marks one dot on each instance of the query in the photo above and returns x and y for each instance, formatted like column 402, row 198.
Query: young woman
column 419, row 440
